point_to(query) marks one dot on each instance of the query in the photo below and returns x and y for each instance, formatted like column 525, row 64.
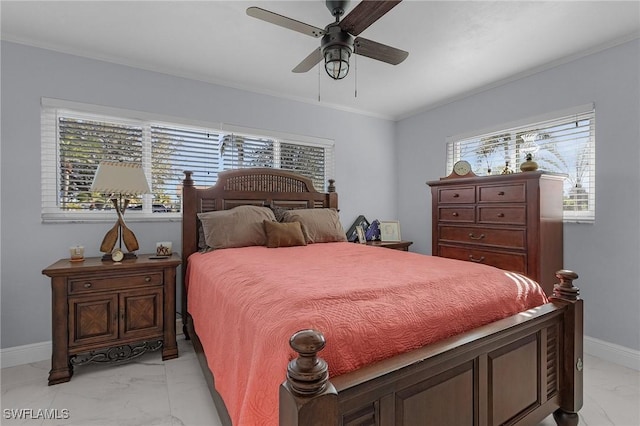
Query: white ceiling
column 455, row 47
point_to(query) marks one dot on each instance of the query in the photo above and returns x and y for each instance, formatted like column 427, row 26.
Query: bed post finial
column 307, row 396
column 571, row 396
column 307, row 374
column 565, row 289
column 188, row 181
column 332, row 187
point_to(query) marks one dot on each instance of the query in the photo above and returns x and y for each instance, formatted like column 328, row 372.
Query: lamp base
column 127, row 256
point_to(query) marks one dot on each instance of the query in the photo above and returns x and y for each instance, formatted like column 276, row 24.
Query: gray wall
column 606, row 254
column 28, row 246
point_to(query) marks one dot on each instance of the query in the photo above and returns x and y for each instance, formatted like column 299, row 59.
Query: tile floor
column 149, row 392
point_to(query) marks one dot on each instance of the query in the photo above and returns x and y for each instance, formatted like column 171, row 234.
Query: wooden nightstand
column 108, row 312
column 397, row 245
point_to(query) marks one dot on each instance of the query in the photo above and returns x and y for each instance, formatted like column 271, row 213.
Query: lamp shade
column 120, row 178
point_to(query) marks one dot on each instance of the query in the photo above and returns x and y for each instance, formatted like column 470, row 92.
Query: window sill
column 110, row 218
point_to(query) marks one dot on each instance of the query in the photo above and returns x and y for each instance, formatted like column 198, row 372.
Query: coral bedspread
column 247, row 302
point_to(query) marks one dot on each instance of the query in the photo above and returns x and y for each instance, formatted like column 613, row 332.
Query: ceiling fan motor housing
column 334, row 37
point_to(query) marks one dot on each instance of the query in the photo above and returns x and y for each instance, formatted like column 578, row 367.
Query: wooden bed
column 517, row 370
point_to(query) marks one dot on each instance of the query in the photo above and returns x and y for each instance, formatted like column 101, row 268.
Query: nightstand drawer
column 457, row 214
column 508, row 238
column 515, row 193
column 458, row 195
column 89, row 284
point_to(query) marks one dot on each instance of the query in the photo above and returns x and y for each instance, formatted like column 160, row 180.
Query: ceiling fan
column 340, row 38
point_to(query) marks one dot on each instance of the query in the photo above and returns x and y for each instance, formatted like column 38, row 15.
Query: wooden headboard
column 259, row 187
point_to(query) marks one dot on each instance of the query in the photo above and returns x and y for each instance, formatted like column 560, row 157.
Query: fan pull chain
column 355, row 63
column 318, row 83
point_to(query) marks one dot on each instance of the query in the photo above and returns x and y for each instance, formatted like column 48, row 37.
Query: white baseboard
column 35, row 352
column 611, row 352
column 26, row 354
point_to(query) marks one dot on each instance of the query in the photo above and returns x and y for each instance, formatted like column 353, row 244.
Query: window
column 563, row 143
column 75, row 141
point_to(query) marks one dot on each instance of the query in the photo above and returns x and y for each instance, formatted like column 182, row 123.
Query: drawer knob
column 455, row 214
column 147, row 279
column 501, row 193
column 87, row 285
column 474, row 259
column 473, row 237
column 500, row 214
column 456, row 195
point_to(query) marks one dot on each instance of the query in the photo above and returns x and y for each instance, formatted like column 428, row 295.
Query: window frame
column 51, row 109
column 556, row 118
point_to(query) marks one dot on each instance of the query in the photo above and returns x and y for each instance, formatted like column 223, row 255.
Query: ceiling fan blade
column 283, row 21
column 309, row 62
column 379, row 51
column 366, row 13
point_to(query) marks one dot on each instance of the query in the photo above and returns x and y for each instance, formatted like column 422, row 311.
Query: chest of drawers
column 513, row 222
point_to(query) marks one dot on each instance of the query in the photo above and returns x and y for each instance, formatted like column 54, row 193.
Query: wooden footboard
column 514, row 371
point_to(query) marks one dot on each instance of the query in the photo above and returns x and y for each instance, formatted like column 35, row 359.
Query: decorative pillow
column 239, row 227
column 321, row 225
column 284, row 234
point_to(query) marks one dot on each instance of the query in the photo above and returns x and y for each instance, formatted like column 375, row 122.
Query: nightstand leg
column 60, row 375
column 61, row 370
column 170, row 346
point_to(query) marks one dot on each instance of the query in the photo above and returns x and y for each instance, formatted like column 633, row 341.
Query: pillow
column 321, row 225
column 239, row 227
column 284, row 234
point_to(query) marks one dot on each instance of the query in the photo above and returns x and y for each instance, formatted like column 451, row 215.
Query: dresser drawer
column 465, row 214
column 508, row 238
column 513, row 215
column 81, row 285
column 516, row 262
column 512, row 193
column 463, row 195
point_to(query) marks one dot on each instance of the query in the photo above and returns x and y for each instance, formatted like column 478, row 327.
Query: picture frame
column 390, row 230
column 362, row 221
column 360, row 232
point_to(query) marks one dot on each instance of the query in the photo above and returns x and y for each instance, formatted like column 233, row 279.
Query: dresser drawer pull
column 455, row 214
column 147, row 279
column 456, row 195
column 87, row 285
column 473, row 259
column 500, row 214
column 501, row 193
column 473, row 237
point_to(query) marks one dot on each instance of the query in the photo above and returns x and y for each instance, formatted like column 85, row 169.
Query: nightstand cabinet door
column 141, row 313
column 93, row 319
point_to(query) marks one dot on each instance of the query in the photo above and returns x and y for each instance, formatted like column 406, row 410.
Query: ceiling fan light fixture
column 336, row 61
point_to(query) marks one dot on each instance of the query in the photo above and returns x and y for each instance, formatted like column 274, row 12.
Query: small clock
column 117, row 255
column 461, row 168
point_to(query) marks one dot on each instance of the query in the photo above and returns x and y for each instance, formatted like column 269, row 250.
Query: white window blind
column 563, row 144
column 75, row 142
column 175, row 149
column 243, row 151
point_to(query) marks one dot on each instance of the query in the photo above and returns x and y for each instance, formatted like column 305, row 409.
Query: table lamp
column 121, row 179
